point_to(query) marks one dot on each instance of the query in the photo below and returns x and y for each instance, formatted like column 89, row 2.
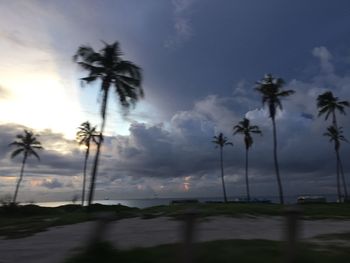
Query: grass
column 248, row 251
column 309, row 211
column 21, row 221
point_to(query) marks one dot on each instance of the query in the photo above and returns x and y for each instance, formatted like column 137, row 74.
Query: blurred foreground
column 248, row 233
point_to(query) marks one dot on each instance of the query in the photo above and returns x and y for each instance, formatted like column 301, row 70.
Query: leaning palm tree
column 221, row 141
column 328, row 105
column 27, row 144
column 335, row 134
column 271, row 91
column 246, row 130
column 85, row 136
column 108, row 67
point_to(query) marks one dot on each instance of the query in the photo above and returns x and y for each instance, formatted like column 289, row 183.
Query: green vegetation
column 309, row 211
column 248, row 251
column 21, row 221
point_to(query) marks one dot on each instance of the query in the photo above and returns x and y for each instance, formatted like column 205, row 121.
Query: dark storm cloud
column 183, row 147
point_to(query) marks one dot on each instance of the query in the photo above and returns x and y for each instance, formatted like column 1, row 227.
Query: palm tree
column 27, row 144
column 327, row 105
column 271, row 91
column 336, row 135
column 246, row 130
column 221, row 141
column 112, row 71
column 85, row 136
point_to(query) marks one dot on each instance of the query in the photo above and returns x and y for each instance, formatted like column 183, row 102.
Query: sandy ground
column 57, row 243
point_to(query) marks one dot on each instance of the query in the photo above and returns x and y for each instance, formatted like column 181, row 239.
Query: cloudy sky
column 200, row 60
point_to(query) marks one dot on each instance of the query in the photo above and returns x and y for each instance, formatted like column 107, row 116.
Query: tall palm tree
column 272, row 92
column 220, row 142
column 27, row 144
column 85, row 136
column 246, row 130
column 327, row 105
column 335, row 134
column 113, row 72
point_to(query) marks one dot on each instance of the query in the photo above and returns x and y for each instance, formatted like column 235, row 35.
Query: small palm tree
column 112, row 71
column 246, row 130
column 220, row 142
column 336, row 135
column 27, row 144
column 85, row 136
column 328, row 105
column 271, row 91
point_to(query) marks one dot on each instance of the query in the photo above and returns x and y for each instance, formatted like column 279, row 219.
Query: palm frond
column 271, row 91
column 26, row 144
column 32, row 152
column 16, row 152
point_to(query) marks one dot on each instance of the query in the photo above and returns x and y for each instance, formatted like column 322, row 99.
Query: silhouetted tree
column 112, row 71
column 271, row 91
column 327, row 105
column 246, row 130
column 220, row 142
column 26, row 144
column 85, row 136
column 336, row 135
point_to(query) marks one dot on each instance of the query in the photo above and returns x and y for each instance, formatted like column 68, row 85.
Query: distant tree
column 328, row 105
column 85, row 136
column 220, row 142
column 26, row 144
column 336, row 135
column 244, row 128
column 112, row 71
column 271, row 92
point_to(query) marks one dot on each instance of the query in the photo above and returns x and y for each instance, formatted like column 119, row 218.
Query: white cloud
column 325, row 58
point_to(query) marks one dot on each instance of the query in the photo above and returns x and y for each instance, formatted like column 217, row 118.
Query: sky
column 200, row 60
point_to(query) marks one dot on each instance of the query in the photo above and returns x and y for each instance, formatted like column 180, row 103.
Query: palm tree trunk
column 246, row 175
column 84, row 175
column 335, row 124
column 343, row 179
column 105, row 86
column 280, row 189
column 222, row 174
column 338, row 177
column 20, row 179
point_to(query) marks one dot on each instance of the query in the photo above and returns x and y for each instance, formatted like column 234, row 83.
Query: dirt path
column 54, row 245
